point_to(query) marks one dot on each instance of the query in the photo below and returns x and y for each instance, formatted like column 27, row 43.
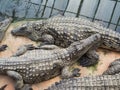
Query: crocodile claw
column 86, row 61
column 3, row 47
column 76, row 72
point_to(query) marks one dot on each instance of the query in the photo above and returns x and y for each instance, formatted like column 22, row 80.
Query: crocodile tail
column 3, row 87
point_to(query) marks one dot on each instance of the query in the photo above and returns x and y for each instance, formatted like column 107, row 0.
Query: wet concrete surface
column 106, row 57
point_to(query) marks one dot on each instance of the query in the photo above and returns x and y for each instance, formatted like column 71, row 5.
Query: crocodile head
column 31, row 30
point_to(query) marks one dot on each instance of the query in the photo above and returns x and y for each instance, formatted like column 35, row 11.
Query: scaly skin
column 113, row 68
column 117, row 61
column 39, row 65
column 66, row 30
column 3, row 27
column 26, row 30
column 101, row 82
column 69, row 29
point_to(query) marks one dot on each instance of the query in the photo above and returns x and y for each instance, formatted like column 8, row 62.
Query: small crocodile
column 3, row 27
column 39, row 65
column 100, row 82
column 113, row 68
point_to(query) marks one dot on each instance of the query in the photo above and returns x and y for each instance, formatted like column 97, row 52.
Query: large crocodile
column 39, row 65
column 68, row 29
column 101, row 82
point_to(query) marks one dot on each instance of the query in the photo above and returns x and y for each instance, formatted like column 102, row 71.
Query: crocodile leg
column 49, row 47
column 17, row 77
column 90, row 58
column 19, row 84
column 46, row 39
column 68, row 73
column 3, row 47
column 22, row 49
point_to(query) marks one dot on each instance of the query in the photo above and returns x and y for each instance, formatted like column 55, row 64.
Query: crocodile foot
column 89, row 59
column 75, row 72
column 68, row 73
column 3, row 47
column 86, row 61
column 23, row 49
column 19, row 84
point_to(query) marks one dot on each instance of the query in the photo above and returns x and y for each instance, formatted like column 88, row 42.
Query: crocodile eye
column 23, row 28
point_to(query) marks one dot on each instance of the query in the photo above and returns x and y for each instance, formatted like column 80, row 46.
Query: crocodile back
column 101, row 82
column 78, row 29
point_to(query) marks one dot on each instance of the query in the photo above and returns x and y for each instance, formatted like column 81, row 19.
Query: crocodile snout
column 17, row 32
column 13, row 32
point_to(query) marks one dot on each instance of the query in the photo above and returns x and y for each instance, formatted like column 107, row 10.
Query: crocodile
column 66, row 30
column 113, row 68
column 40, row 65
column 3, row 27
column 100, row 82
